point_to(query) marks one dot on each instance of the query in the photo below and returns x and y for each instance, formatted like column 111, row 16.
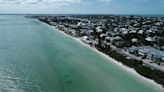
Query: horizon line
column 82, row 14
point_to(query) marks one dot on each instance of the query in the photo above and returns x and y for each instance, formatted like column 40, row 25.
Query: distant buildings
column 147, row 33
column 142, row 36
column 147, row 52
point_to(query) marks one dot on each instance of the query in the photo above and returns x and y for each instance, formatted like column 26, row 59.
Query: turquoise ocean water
column 37, row 58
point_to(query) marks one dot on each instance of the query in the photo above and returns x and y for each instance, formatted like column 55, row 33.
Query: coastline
column 112, row 60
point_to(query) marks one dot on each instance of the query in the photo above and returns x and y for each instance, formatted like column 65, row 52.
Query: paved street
column 145, row 61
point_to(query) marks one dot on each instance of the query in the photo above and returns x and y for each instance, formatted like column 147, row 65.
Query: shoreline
column 113, row 61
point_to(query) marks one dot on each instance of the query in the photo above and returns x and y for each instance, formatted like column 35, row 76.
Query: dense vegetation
column 147, row 72
column 143, row 70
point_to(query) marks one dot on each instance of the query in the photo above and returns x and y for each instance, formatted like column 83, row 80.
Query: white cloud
column 105, row 0
column 148, row 0
column 139, row 0
column 38, row 1
column 35, row 6
column 108, row 1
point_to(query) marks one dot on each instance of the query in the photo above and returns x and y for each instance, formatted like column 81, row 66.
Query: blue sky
column 82, row 6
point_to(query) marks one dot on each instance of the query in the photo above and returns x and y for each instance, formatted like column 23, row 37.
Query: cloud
column 37, row 6
column 139, row 0
column 106, row 1
column 148, row 0
column 39, row 1
column 80, row 6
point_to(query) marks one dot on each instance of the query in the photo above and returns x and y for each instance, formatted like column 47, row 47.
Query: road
column 145, row 61
column 37, row 58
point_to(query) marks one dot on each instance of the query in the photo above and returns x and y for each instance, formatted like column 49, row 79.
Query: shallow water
column 36, row 58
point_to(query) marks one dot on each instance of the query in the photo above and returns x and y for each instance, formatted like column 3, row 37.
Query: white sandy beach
column 112, row 60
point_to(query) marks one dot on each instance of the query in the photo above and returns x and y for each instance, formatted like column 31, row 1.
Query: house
column 159, row 40
column 119, row 44
column 133, row 50
column 147, row 52
column 150, row 32
column 90, row 32
column 140, row 32
column 124, row 33
column 143, row 52
column 155, row 54
column 74, row 33
column 162, row 60
column 53, row 23
column 134, row 40
column 154, row 57
column 149, row 41
column 98, row 29
column 113, row 34
column 103, row 35
column 132, row 32
column 85, row 39
column 107, row 39
column 115, row 39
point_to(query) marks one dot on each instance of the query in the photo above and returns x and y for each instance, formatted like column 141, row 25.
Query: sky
column 153, row 7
